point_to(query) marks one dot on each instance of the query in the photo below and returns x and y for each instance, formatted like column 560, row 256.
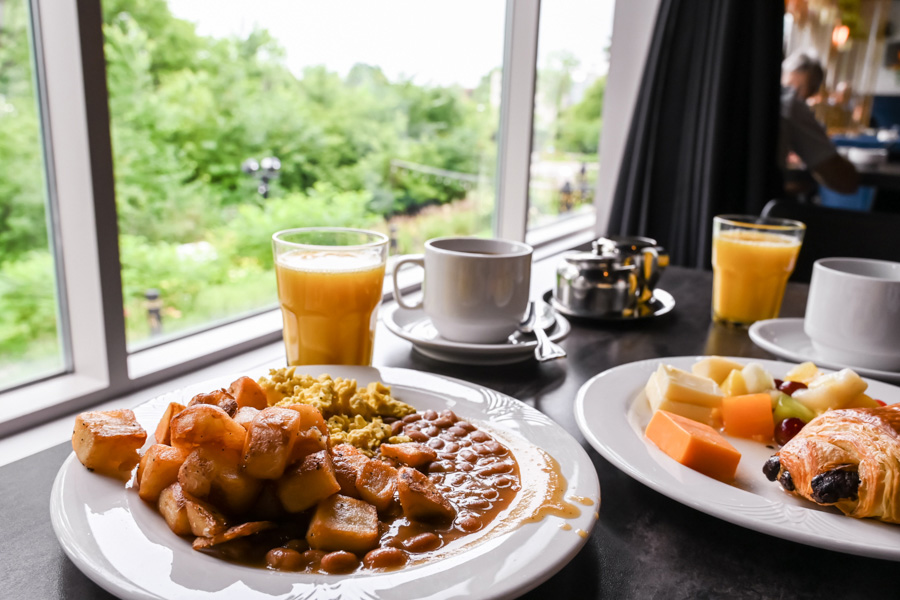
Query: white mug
column 853, row 312
column 476, row 290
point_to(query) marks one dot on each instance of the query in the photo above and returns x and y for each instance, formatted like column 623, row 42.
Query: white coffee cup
column 476, row 290
column 853, row 312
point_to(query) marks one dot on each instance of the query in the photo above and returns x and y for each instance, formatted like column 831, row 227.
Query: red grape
column 789, row 387
column 787, row 429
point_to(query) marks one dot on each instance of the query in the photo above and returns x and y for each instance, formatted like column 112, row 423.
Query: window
column 161, row 115
column 30, row 343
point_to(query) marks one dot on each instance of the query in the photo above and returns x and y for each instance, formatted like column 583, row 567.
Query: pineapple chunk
column 248, row 393
column 420, row 499
column 863, row 401
column 173, row 507
column 734, row 384
column 376, row 484
column 832, row 391
column 680, row 386
column 715, row 368
column 108, row 441
column 163, row 433
column 270, row 440
column 803, row 373
column 757, row 379
column 308, row 482
column 158, row 470
column 342, row 523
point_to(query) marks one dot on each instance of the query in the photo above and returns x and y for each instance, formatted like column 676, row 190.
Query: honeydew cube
column 832, row 391
column 673, row 384
column 734, row 384
column 757, row 379
column 715, row 368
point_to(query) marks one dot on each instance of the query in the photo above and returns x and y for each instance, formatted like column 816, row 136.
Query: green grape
column 787, row 407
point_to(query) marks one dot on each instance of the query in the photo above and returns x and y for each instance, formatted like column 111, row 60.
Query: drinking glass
column 329, row 286
column 752, row 258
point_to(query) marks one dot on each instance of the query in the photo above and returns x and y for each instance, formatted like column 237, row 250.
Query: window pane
column 381, row 115
column 573, row 62
column 30, row 345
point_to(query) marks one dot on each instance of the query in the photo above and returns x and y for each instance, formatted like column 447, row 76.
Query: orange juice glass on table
column 752, row 258
column 329, row 286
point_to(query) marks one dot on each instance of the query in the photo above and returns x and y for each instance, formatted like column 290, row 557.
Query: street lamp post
column 265, row 170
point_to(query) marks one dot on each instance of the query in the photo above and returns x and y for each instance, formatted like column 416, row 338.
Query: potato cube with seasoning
column 206, row 425
column 342, row 523
column 163, row 430
column 158, row 470
column 307, row 482
column 173, row 507
column 376, row 484
column 108, row 441
column 270, row 440
column 348, row 464
column 420, row 499
column 411, row 454
column 248, row 393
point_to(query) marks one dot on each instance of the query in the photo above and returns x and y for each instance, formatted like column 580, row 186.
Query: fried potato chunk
column 248, row 393
column 245, row 415
column 411, row 454
column 162, row 435
column 342, row 523
column 216, row 475
column 376, row 484
column 348, row 463
column 206, row 424
column 269, row 442
column 158, row 470
column 220, row 398
column 108, row 441
column 232, row 533
column 205, row 519
column 420, row 499
column 173, row 507
column 304, row 484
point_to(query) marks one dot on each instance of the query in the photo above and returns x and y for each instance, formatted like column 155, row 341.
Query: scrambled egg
column 354, row 416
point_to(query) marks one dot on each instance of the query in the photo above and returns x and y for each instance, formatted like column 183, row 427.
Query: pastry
column 849, row 459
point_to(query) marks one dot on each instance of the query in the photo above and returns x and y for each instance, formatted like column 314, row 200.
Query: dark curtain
column 704, row 132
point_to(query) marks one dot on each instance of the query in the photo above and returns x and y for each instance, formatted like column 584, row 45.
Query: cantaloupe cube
column 342, row 523
column 694, row 445
column 749, row 416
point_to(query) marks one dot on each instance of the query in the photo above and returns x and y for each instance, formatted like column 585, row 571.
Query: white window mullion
column 516, row 117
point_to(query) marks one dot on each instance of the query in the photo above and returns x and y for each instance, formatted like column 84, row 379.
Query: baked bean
column 429, row 415
column 443, row 422
column 468, row 455
column 423, row 542
column 431, row 431
column 396, row 427
column 339, row 562
column 285, row 559
column 503, row 481
column 494, row 447
column 451, row 447
column 312, row 558
column 449, row 414
column 417, row 436
column 495, row 469
column 469, row 523
column 297, row 544
column 465, row 425
column 480, row 449
column 475, row 503
column 466, row 466
column 436, row 443
column 457, row 431
column 384, row 558
column 465, row 443
column 412, row 418
column 490, row 494
column 480, row 436
column 441, row 466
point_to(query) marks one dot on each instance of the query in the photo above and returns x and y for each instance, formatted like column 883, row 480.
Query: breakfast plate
column 124, row 545
column 414, row 326
column 787, row 339
column 660, row 304
column 612, row 412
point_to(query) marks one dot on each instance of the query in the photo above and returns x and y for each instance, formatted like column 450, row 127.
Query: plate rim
column 617, row 455
column 585, row 483
column 756, row 335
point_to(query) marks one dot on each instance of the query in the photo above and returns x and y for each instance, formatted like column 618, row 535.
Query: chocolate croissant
column 846, row 458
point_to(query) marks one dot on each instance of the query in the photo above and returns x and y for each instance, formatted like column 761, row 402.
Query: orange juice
column 750, row 271
column 328, row 302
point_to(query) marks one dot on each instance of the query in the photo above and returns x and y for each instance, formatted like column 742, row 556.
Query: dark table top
column 644, row 545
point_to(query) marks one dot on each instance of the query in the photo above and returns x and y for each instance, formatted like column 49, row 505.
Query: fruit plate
column 124, row 545
column 612, row 412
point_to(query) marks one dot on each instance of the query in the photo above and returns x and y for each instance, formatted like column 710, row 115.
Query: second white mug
column 475, row 289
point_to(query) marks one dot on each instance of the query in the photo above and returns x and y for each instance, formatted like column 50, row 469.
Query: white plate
column 414, row 326
column 786, row 338
column 124, row 545
column 612, row 412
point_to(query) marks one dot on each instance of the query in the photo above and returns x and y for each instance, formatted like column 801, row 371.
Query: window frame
column 71, row 75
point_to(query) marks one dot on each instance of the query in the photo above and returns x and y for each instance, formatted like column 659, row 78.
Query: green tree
column 580, row 125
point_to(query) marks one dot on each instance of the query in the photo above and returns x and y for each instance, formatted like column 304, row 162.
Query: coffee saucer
column 414, row 326
column 785, row 338
column 660, row 304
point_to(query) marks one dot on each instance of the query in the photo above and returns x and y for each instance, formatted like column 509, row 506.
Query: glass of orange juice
column 329, row 286
column 752, row 258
